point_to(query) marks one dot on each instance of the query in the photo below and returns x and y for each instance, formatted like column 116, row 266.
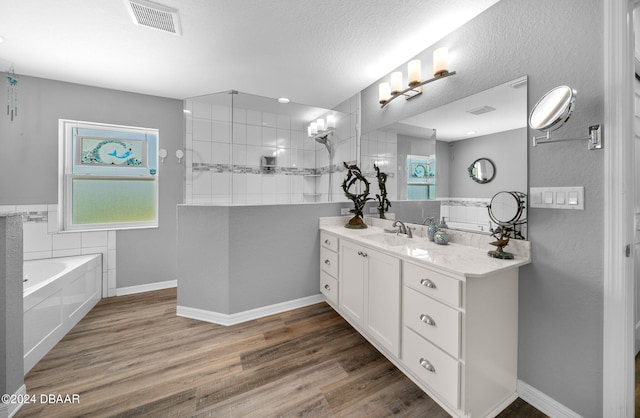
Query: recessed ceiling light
column 1, row 39
column 186, row 111
column 471, row 133
column 283, row 100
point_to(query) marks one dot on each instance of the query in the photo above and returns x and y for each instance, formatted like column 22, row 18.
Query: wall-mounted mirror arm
column 553, row 110
column 594, row 138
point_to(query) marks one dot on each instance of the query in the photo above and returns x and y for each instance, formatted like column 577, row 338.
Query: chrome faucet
column 429, row 221
column 403, row 229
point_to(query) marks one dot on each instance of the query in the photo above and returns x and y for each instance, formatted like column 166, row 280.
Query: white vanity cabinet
column 447, row 318
column 370, row 293
column 459, row 337
column 329, row 266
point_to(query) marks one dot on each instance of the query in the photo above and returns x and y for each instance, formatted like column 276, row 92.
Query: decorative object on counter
column 553, row 110
column 432, row 228
column 443, row 224
column 482, row 170
column 383, row 202
column 502, row 241
column 354, row 175
column 12, row 93
column 506, row 209
column 441, row 237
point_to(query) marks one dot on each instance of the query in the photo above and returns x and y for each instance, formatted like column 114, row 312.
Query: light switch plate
column 557, row 197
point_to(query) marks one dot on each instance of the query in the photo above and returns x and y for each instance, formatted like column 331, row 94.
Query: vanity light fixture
column 390, row 91
column 322, row 126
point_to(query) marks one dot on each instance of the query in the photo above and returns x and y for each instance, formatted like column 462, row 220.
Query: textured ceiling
column 316, row 52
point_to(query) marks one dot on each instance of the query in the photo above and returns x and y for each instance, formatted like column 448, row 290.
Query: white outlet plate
column 557, row 197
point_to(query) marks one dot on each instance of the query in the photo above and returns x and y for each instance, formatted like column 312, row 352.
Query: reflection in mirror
column 482, row 170
column 491, row 124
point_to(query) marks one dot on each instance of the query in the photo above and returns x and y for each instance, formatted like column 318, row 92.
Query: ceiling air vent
column 152, row 15
column 481, row 110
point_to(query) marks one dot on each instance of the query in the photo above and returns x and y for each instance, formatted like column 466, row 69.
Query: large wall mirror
column 428, row 156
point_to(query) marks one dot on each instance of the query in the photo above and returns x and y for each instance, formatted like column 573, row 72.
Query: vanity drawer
column 433, row 320
column 432, row 366
column 329, row 287
column 431, row 283
column 329, row 261
column 329, row 241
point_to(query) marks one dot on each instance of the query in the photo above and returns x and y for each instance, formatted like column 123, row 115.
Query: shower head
column 324, row 140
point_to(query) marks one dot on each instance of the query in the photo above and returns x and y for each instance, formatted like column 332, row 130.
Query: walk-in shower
column 247, row 149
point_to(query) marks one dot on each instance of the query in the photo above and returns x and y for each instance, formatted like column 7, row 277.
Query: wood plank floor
column 131, row 356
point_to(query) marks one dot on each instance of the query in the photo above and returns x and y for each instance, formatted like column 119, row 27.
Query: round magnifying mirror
column 553, row 109
column 505, row 208
column 482, row 170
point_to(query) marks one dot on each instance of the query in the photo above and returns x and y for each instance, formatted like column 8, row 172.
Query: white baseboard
column 237, row 318
column 543, row 402
column 7, row 410
column 130, row 290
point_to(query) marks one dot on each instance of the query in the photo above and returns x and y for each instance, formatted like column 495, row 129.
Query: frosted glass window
column 104, row 201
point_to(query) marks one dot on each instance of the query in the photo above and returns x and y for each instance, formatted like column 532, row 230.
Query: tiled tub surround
column 471, row 214
column 468, row 214
column 42, row 240
column 224, row 149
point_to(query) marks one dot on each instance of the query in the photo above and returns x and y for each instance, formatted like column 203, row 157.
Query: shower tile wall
column 41, row 240
column 224, row 151
column 380, row 148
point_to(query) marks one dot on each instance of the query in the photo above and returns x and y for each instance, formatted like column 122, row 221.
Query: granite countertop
column 465, row 255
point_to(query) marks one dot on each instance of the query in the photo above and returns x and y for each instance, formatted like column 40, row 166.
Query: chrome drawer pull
column 326, row 241
column 326, row 286
column 428, row 366
column 327, row 262
column 428, row 283
column 427, row 320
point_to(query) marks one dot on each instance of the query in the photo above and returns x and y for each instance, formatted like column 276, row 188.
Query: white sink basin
column 389, row 239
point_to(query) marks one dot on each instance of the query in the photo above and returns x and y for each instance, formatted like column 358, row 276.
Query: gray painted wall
column 11, row 328
column 507, row 150
column 561, row 292
column 29, row 162
column 236, row 258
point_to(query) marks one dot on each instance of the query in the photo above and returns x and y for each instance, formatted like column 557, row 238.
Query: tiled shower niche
column 247, row 149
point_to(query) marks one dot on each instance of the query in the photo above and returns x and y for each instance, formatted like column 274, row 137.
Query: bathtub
column 57, row 293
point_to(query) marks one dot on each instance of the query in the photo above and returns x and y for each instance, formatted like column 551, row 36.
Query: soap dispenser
column 443, row 224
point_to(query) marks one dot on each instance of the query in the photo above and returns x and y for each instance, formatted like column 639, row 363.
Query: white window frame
column 68, row 157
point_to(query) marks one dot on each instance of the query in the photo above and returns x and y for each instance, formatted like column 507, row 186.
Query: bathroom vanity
column 446, row 315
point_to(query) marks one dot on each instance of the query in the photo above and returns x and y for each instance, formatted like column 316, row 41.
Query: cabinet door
column 383, row 300
column 352, row 274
